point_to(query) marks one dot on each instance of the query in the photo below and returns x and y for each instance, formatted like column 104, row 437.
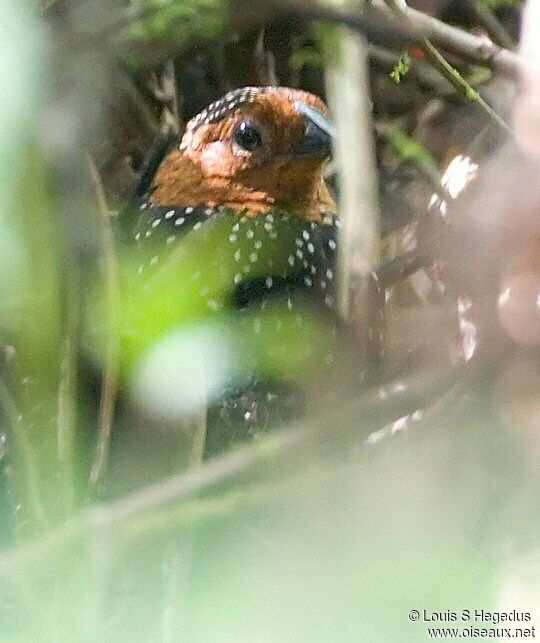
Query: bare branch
column 376, row 17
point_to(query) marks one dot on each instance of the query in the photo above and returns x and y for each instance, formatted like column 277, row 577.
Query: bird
column 240, row 207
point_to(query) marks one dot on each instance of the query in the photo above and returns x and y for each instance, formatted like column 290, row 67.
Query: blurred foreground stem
column 109, row 386
column 348, row 88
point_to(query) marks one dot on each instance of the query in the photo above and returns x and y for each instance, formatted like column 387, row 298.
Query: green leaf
column 401, row 69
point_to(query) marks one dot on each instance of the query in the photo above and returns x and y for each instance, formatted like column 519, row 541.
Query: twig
column 377, row 18
column 402, row 267
column 109, row 387
column 439, row 62
column 265, row 63
column 386, row 60
column 493, row 25
column 171, row 114
column 144, row 112
column 376, row 408
column 175, row 489
column 461, row 85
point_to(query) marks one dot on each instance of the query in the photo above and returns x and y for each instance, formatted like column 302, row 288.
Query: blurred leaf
column 306, row 57
column 410, row 149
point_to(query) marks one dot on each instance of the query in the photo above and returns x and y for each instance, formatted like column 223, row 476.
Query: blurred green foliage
column 184, row 22
column 411, row 150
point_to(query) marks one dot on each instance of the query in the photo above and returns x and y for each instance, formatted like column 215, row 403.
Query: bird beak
column 317, row 139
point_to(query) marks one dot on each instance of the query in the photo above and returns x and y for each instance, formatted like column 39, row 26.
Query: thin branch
column 265, row 62
column 109, row 387
column 375, row 17
column 402, row 267
column 462, row 86
column 439, row 62
column 376, row 408
column 492, row 24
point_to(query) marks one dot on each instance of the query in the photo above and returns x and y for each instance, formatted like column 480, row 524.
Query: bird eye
column 247, row 136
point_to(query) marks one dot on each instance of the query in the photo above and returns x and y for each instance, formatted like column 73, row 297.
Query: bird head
column 255, row 149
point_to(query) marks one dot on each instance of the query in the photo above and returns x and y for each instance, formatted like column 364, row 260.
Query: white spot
column 269, row 282
column 329, row 301
column 155, row 223
column 179, row 221
column 289, row 303
column 250, row 234
column 329, row 274
column 299, row 254
column 332, row 244
column 213, row 304
column 308, row 281
column 291, row 260
column 140, row 270
column 237, row 255
column 189, row 210
column 258, row 245
column 170, row 239
column 143, row 206
column 305, row 234
column 311, row 248
column 237, row 278
column 253, row 257
column 197, row 225
column 169, row 214
column 137, row 236
column 268, row 226
column 154, row 260
column 233, row 238
column 208, row 212
column 273, row 235
column 148, row 234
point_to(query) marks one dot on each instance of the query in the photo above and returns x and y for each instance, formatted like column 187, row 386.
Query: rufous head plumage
column 255, row 149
